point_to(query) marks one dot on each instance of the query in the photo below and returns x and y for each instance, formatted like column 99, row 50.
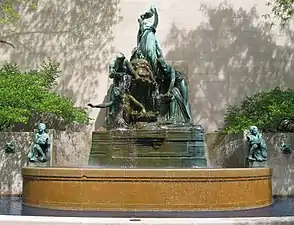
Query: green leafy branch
column 264, row 110
column 281, row 9
column 24, row 95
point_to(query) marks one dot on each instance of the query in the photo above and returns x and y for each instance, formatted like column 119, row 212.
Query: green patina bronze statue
column 10, row 147
column 149, row 121
column 257, row 146
column 285, row 148
column 145, row 88
column 173, row 82
column 118, row 69
column 147, row 42
column 124, row 106
column 143, row 71
column 41, row 145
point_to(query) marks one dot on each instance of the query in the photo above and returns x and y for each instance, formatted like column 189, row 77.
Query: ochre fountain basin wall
column 146, row 189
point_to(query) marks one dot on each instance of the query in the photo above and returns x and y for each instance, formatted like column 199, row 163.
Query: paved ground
column 27, row 220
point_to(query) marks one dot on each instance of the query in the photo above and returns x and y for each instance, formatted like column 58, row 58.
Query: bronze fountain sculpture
column 148, row 96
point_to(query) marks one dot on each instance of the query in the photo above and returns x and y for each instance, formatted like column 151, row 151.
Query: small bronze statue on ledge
column 41, row 146
column 10, row 147
column 257, row 147
column 285, row 148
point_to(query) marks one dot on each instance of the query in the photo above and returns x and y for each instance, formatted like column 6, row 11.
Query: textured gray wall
column 229, row 53
column 11, row 164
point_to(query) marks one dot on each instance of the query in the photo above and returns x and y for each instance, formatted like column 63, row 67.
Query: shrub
column 28, row 95
column 265, row 110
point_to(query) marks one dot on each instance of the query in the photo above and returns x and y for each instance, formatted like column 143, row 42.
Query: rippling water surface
column 281, row 207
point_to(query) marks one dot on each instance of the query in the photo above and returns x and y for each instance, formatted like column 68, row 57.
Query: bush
column 28, row 95
column 265, row 110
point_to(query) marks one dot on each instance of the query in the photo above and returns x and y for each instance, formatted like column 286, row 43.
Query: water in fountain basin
column 281, row 207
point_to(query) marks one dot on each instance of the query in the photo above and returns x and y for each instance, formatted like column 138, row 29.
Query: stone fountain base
column 103, row 189
column 151, row 146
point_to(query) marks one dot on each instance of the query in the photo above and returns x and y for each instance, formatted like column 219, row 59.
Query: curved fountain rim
column 197, row 173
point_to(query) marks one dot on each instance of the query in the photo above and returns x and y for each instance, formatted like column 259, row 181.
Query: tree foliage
column 281, row 9
column 8, row 9
column 28, row 95
column 9, row 12
column 264, row 110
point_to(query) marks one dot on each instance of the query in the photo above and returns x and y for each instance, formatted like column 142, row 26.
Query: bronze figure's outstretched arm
column 103, row 105
column 156, row 18
column 6, row 42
